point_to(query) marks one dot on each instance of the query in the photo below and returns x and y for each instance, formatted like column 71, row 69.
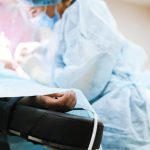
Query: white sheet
column 13, row 86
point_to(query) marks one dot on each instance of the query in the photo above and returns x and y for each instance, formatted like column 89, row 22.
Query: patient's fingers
column 67, row 101
column 61, row 94
column 56, row 95
column 47, row 102
column 59, row 102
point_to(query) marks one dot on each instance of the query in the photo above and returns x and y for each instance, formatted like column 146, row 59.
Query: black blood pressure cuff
column 64, row 131
column 7, row 106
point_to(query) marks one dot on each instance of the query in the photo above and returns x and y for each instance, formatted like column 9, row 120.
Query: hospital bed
column 65, row 131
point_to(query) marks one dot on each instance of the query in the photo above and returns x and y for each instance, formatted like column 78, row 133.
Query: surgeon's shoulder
column 96, row 9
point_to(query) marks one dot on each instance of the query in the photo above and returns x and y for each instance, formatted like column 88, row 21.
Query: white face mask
column 43, row 20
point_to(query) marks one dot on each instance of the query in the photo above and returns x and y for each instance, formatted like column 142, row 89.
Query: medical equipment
column 66, row 131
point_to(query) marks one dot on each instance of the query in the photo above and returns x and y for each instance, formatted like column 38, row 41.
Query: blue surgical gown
column 94, row 56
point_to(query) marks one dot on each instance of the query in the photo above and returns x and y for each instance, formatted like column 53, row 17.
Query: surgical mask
column 43, row 20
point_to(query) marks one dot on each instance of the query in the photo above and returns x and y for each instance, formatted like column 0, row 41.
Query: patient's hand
column 8, row 65
column 57, row 102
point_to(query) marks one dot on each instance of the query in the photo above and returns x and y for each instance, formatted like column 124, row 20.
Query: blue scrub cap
column 43, row 2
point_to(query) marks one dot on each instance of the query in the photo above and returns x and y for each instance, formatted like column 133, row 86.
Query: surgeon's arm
column 89, row 49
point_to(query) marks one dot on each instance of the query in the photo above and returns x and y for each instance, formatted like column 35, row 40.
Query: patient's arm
column 57, row 102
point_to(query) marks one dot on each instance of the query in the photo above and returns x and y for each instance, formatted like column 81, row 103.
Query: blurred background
column 133, row 18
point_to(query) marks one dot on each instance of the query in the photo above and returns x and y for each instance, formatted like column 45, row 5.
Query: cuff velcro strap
column 6, row 110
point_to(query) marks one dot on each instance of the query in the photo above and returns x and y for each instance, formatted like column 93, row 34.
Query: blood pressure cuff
column 58, row 130
column 6, row 107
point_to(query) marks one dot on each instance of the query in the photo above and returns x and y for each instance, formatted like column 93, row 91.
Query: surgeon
column 94, row 57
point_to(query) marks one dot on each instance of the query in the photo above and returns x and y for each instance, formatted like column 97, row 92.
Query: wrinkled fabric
column 83, row 47
column 93, row 56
